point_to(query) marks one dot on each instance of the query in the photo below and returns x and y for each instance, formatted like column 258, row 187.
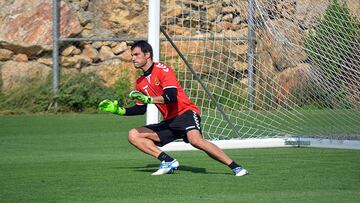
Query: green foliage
column 122, row 89
column 79, row 92
column 35, row 96
column 330, row 46
column 1, row 85
column 82, row 91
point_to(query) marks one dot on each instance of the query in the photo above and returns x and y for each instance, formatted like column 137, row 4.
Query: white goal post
column 152, row 113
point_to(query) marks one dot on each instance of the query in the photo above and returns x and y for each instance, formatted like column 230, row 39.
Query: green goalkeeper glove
column 112, row 107
column 141, row 97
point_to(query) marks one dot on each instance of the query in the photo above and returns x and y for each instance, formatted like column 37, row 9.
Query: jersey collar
column 148, row 71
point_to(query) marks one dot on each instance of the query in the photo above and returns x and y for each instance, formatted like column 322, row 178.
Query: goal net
column 277, row 68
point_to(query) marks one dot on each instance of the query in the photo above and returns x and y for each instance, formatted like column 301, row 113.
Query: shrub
column 77, row 93
column 35, row 96
column 81, row 91
column 122, row 89
column 330, row 43
column 329, row 47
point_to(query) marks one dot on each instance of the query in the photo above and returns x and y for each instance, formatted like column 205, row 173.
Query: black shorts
column 176, row 128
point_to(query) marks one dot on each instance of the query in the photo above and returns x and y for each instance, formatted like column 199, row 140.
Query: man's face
column 139, row 58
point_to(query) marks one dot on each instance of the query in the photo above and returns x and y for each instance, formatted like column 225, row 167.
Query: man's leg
column 143, row 139
column 196, row 140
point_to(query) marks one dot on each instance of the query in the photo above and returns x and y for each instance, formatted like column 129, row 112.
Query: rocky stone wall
column 26, row 38
column 26, row 34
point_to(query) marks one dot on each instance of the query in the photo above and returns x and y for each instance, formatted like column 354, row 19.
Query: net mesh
column 306, row 65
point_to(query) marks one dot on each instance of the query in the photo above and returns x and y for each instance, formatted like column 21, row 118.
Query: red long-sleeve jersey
column 162, row 77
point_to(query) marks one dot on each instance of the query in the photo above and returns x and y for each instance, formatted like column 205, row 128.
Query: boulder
column 26, row 25
column 14, row 73
column 284, row 42
column 125, row 18
column 21, row 57
column 240, row 66
column 68, row 51
column 5, row 54
column 97, row 45
column 126, row 56
column 354, row 7
column 119, row 48
column 110, row 71
column 46, row 60
column 264, row 63
column 76, row 61
column 304, row 13
column 287, row 81
column 91, row 52
column 105, row 53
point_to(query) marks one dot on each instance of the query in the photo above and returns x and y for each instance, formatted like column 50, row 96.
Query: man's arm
column 169, row 96
column 135, row 110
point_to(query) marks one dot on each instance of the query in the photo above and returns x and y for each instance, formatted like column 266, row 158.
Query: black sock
column 233, row 165
column 164, row 157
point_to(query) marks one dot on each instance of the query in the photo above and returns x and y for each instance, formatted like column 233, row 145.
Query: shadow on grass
column 150, row 168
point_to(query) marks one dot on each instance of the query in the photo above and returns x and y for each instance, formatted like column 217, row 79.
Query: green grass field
column 86, row 158
column 326, row 123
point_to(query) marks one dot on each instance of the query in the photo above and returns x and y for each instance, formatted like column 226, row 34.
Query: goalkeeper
column 181, row 118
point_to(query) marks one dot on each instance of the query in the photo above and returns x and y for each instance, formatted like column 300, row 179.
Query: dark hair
column 144, row 46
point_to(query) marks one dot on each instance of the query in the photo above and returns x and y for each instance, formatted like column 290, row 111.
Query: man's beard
column 137, row 65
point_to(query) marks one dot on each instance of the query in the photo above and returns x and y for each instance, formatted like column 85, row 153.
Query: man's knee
column 133, row 135
column 197, row 144
column 137, row 134
column 196, row 141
